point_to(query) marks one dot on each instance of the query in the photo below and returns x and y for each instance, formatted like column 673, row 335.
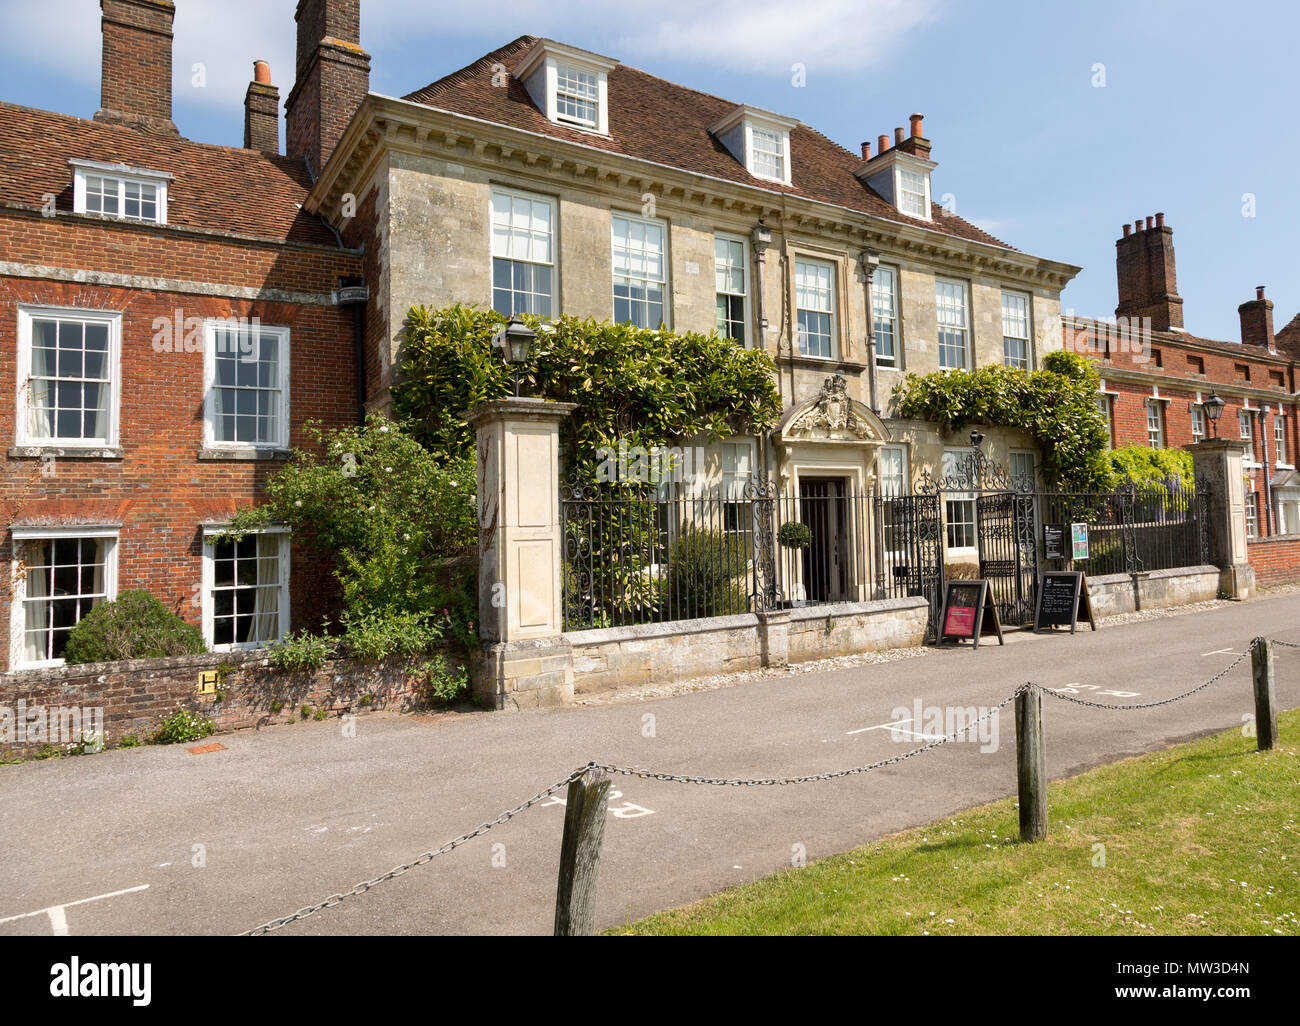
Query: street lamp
column 516, row 338
column 976, row 439
column 1214, row 410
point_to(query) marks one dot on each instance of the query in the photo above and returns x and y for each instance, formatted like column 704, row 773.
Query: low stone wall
column 133, row 697
column 665, row 652
column 1113, row 594
column 1276, row 560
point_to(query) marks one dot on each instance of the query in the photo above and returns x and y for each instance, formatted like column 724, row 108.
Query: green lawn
column 1199, row 839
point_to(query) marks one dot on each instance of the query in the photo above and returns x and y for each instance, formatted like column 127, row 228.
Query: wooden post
column 1261, row 664
column 1031, row 764
column 584, row 831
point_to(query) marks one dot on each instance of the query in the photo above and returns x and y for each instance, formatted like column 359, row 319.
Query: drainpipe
column 1269, row 518
column 870, row 260
column 355, row 293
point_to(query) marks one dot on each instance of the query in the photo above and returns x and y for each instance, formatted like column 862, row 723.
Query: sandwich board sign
column 1063, row 601
column 969, row 612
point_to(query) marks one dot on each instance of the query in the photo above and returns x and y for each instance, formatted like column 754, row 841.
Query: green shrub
column 795, row 535
column 129, row 741
column 183, row 726
column 372, row 637
column 1143, row 466
column 301, row 651
column 442, row 684
column 704, row 571
column 135, row 626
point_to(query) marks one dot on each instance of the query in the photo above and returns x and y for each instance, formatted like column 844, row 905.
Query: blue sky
column 1193, row 115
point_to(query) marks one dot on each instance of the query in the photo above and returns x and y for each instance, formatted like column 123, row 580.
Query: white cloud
column 225, row 36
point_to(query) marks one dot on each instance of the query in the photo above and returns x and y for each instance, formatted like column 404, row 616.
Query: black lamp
column 976, row 439
column 1214, row 410
column 516, row 338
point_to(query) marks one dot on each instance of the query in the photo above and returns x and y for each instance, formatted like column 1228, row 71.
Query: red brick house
column 170, row 316
column 1157, row 376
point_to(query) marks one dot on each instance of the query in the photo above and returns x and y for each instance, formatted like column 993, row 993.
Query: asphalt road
column 287, row 816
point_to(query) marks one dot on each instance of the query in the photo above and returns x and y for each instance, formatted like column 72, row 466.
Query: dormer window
column 913, row 189
column 900, row 174
column 758, row 139
column 119, row 191
column 569, row 85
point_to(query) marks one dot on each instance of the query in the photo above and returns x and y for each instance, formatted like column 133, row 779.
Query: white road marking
column 878, row 726
column 58, row 913
column 1221, row 651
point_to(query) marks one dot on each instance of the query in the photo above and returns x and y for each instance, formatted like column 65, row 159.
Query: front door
column 823, row 506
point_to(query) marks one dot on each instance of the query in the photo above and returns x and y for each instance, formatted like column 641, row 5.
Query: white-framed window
column 69, row 373
column 1155, row 424
column 1024, row 470
column 640, row 271
column 1246, row 423
column 737, row 472
column 577, row 95
column 1104, row 401
column 245, row 589
column 523, row 253
column 1279, row 440
column 959, row 508
column 60, row 575
column 884, row 312
column 125, row 193
column 1015, row 330
column 893, row 487
column 731, row 274
column 954, row 324
column 912, row 193
column 814, row 288
column 246, row 385
column 769, row 153
column 1252, row 515
column 1198, row 422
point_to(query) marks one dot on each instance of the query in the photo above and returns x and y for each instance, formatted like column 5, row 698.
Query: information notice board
column 969, row 612
column 1063, row 601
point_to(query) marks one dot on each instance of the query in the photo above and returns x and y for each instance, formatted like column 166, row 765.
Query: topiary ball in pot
column 795, row 535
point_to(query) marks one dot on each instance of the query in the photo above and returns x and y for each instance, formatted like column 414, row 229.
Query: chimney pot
column 917, row 120
column 866, row 151
column 882, row 143
column 1160, row 220
column 262, row 72
column 1259, row 291
column 1150, row 223
column 898, row 135
column 262, row 111
column 1128, row 230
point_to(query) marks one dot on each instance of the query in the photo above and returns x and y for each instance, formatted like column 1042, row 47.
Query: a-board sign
column 1063, row 601
column 969, row 612
column 1079, row 541
column 1054, row 541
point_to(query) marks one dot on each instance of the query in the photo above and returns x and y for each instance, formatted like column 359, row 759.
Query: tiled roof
column 216, row 188
column 660, row 121
column 1288, row 339
column 1175, row 338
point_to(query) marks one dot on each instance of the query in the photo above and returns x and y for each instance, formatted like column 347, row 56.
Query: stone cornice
column 385, row 124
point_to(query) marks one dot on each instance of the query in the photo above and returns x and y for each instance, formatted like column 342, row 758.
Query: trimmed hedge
column 135, row 626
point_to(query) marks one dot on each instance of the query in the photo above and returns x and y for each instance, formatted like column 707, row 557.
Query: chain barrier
column 677, row 778
column 419, row 860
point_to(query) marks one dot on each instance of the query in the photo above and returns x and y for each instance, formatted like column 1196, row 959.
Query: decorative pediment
column 833, row 416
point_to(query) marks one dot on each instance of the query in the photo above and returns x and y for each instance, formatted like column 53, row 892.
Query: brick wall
column 136, row 86
column 1276, row 560
column 135, row 696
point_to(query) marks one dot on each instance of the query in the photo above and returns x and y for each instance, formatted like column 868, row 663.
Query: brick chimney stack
column 136, row 83
column 332, row 78
column 1257, row 321
column 916, row 143
column 1148, row 280
column 262, row 111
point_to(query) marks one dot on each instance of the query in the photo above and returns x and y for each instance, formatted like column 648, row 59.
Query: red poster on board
column 960, row 622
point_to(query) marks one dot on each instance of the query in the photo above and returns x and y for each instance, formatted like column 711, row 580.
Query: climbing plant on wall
column 1056, row 406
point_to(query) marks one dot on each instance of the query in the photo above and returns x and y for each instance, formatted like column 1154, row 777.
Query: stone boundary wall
column 1113, row 594
column 1276, row 560
column 662, row 653
column 136, row 695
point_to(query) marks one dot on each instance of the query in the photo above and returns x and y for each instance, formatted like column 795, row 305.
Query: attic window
column 912, row 190
column 570, row 86
column 119, row 191
column 758, row 139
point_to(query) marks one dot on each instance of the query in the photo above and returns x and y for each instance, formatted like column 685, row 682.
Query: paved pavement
column 287, row 816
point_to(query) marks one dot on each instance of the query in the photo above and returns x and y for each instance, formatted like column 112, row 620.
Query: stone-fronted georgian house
column 547, row 179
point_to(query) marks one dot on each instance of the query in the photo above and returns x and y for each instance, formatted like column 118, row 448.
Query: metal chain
column 1285, row 644
column 419, row 860
column 1151, row 705
column 784, row 781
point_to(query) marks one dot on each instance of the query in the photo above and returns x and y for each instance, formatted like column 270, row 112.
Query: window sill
column 217, row 453
column 66, row 452
column 801, row 360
